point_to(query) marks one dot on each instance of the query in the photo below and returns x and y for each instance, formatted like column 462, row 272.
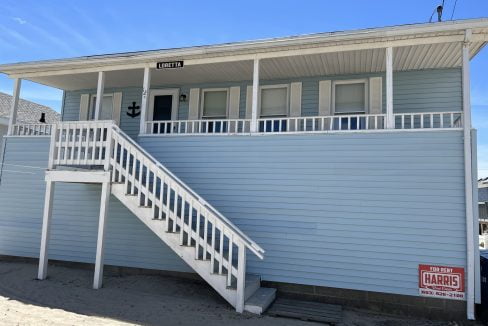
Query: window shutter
column 249, row 102
column 295, row 99
column 117, row 107
column 235, row 97
column 84, row 104
column 325, row 89
column 193, row 112
column 375, row 95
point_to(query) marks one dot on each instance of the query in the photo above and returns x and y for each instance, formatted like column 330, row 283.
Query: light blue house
column 334, row 165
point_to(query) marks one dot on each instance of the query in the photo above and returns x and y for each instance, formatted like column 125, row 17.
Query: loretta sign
column 441, row 282
column 169, row 65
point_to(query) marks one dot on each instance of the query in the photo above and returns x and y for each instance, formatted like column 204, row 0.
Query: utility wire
column 453, row 9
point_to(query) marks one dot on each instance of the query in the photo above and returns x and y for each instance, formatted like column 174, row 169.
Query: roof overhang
column 417, row 46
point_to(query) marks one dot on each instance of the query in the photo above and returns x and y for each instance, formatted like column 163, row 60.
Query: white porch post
column 468, row 178
column 100, row 89
column 46, row 230
column 145, row 99
column 390, row 119
column 104, row 200
column 14, row 105
column 255, row 92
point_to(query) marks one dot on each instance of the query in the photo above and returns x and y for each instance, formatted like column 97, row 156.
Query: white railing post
column 468, row 178
column 390, row 119
column 100, row 90
column 145, row 99
column 52, row 147
column 108, row 148
column 241, row 277
column 14, row 105
column 255, row 94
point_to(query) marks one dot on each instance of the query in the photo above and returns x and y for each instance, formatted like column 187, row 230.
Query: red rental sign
column 441, row 282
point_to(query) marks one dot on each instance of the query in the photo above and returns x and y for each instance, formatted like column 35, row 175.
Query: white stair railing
column 199, row 225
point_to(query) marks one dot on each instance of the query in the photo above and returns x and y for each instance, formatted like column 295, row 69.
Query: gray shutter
column 375, row 95
column 325, row 106
column 117, row 107
column 295, row 99
column 84, row 105
column 249, row 102
column 194, row 104
column 234, row 100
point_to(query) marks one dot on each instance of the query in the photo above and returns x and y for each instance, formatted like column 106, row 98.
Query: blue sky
column 37, row 30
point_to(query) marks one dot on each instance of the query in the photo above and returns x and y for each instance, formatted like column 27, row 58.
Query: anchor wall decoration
column 133, row 110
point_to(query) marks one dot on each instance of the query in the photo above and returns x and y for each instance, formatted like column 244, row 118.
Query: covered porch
column 327, row 83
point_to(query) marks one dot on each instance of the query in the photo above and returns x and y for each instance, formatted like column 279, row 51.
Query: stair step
column 253, row 283
column 260, row 300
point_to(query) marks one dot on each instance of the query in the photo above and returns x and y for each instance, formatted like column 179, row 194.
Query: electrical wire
column 453, row 9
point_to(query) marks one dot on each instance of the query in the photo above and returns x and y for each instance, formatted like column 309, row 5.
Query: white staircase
column 206, row 240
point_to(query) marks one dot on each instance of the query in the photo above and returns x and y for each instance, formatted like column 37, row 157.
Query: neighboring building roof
column 28, row 112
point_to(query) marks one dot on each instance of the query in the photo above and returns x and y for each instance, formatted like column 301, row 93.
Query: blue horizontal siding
column 75, row 217
column 357, row 211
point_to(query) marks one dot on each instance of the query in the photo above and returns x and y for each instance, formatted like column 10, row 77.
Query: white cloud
column 19, row 20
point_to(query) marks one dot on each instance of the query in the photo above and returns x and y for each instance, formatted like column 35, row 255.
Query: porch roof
column 416, row 46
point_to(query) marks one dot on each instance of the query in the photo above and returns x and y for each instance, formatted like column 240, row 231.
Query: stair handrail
column 253, row 246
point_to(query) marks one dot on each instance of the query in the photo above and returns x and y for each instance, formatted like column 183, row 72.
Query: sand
column 66, row 298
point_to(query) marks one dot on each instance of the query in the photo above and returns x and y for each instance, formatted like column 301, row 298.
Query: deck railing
column 277, row 125
column 429, row 120
column 37, row 129
column 267, row 125
column 79, row 143
column 196, row 127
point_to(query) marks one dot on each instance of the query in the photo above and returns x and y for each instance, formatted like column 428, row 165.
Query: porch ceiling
column 440, row 55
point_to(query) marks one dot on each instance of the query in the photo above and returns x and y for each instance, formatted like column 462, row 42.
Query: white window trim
column 175, row 92
column 365, row 81
column 202, row 101
column 287, row 86
column 91, row 104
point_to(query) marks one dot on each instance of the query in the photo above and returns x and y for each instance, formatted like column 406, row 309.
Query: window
column 107, row 108
column 350, row 97
column 274, row 101
column 214, row 104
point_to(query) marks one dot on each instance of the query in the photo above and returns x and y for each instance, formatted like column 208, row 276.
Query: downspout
column 468, row 179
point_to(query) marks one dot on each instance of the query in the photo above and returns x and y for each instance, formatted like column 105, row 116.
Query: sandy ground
column 66, row 298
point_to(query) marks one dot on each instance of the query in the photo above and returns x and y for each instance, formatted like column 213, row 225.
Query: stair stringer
column 201, row 267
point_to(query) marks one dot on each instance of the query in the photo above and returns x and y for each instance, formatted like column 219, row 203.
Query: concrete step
column 260, row 300
column 253, row 283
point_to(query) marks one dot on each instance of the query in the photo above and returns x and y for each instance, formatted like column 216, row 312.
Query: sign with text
column 169, row 65
column 441, row 282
